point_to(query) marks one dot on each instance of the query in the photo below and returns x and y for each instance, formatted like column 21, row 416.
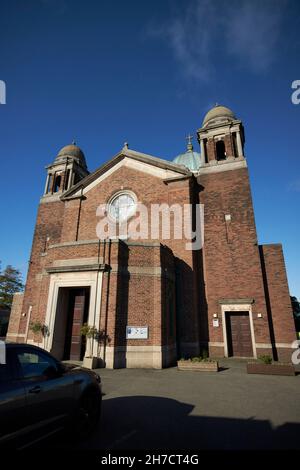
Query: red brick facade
column 183, row 297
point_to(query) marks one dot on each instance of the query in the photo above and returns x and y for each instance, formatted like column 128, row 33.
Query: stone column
column 203, row 156
column 239, row 144
column 71, row 180
column 211, row 150
column 46, row 185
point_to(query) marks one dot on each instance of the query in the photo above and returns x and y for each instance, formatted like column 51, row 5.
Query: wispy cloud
column 246, row 32
column 254, row 31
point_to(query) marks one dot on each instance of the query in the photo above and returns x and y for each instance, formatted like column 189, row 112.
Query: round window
column 122, row 206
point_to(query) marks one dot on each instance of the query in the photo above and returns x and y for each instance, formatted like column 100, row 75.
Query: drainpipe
column 28, row 322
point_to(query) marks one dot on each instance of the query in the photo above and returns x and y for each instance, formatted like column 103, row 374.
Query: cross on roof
column 189, row 142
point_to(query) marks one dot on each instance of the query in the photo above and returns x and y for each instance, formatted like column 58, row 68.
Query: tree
column 296, row 312
column 10, row 283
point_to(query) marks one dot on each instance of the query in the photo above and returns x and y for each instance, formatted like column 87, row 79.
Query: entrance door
column 72, row 311
column 78, row 314
column 239, row 334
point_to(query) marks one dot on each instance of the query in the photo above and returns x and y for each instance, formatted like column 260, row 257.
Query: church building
column 153, row 299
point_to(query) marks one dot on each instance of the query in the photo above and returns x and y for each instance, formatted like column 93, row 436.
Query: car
column 40, row 396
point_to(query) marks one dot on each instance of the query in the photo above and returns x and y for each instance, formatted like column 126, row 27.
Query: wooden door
column 78, row 319
column 239, row 334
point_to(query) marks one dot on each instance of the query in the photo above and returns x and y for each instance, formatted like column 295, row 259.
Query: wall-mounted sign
column 215, row 322
column 137, row 332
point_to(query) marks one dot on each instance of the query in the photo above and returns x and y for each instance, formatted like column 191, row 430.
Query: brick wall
column 48, row 225
column 143, row 280
column 278, row 299
column 232, row 268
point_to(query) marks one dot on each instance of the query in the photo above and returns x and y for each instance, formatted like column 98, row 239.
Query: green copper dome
column 190, row 159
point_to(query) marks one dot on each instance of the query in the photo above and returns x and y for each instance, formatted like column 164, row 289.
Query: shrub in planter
column 265, row 359
column 91, row 333
column 198, row 364
column 39, row 330
column 265, row 365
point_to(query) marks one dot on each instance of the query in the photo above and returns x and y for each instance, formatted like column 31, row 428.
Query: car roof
column 11, row 344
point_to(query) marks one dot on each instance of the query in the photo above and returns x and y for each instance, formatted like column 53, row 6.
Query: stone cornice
column 77, row 268
column 141, row 157
column 235, row 301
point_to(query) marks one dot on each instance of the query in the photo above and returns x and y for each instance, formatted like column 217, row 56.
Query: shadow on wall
column 123, row 279
column 145, row 422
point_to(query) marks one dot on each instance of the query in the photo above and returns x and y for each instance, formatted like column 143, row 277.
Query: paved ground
column 169, row 409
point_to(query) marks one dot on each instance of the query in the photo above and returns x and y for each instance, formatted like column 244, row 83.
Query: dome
column 217, row 113
column 189, row 159
column 71, row 152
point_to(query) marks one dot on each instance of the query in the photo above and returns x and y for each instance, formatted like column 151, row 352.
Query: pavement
column 170, row 409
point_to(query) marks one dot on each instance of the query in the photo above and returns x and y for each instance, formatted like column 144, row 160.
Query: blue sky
column 103, row 72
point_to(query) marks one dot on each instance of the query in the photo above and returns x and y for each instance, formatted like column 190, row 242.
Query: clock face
column 122, row 207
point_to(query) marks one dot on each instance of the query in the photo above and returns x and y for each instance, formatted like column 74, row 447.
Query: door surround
column 226, row 308
column 91, row 279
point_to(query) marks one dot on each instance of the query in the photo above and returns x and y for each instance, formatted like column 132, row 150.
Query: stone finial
column 125, row 146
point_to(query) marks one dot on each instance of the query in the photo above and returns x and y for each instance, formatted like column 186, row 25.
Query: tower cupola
column 221, row 136
column 67, row 169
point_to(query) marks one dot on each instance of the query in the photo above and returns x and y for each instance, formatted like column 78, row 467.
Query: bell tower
column 68, row 168
column 221, row 136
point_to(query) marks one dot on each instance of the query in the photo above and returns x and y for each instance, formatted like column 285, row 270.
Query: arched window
column 122, row 205
column 220, row 149
column 50, row 182
column 67, row 179
column 57, row 184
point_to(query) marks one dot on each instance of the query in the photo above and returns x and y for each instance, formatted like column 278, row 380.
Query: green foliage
column 10, row 283
column 204, row 354
column 38, row 327
column 91, row 332
column 296, row 312
column 265, row 359
column 197, row 359
column 3, row 326
column 88, row 331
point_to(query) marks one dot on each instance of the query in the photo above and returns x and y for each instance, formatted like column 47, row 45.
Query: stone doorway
column 71, row 312
column 239, row 338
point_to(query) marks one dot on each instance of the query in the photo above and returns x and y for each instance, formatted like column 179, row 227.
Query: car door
column 49, row 391
column 13, row 410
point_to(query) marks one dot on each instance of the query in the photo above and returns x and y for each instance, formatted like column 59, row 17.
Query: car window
column 35, row 364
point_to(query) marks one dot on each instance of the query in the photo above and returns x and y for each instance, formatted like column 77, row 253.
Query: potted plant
column 39, row 329
column 91, row 334
column 199, row 363
column 265, row 365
